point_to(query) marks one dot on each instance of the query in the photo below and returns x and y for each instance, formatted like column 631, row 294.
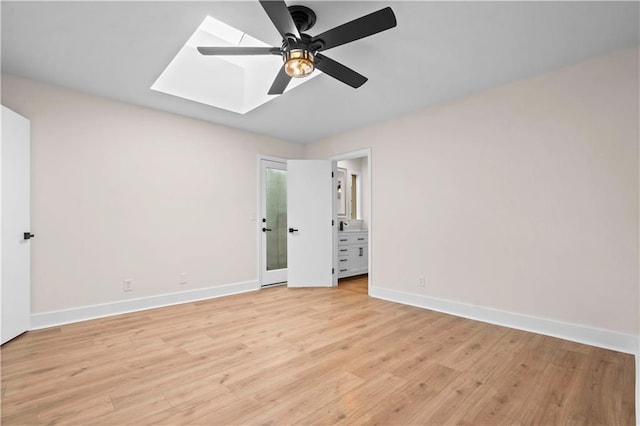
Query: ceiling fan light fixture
column 298, row 63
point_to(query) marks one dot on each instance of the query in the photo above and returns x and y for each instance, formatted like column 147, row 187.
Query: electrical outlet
column 421, row 281
column 127, row 285
column 183, row 278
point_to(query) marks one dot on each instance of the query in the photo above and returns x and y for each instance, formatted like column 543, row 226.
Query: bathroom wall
column 359, row 165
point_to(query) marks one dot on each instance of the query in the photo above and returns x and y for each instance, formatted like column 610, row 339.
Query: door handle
column 266, row 229
column 292, row 230
column 28, row 235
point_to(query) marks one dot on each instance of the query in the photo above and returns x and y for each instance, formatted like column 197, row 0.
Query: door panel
column 310, row 209
column 274, row 222
column 16, row 280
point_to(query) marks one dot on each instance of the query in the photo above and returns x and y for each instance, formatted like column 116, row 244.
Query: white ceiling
column 438, row 52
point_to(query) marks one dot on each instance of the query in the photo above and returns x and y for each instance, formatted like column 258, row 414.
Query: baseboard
column 67, row 316
column 626, row 343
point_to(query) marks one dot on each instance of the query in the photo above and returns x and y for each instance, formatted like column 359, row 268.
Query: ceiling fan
column 301, row 52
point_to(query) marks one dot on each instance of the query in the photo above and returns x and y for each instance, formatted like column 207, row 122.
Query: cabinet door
column 365, row 259
column 357, row 259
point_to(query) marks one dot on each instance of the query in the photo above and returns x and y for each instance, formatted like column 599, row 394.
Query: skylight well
column 234, row 83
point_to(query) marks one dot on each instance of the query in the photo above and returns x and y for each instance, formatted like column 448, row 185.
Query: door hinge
column 332, row 223
column 331, row 174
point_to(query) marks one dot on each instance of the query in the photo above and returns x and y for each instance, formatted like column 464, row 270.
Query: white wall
column 120, row 191
column 523, row 198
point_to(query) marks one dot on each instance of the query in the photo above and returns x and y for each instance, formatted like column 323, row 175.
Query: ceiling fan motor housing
column 303, row 43
column 303, row 17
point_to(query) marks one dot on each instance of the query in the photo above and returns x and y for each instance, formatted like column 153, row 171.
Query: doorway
column 273, row 221
column 318, row 260
column 354, row 216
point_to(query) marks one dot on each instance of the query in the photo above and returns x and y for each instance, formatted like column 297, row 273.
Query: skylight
column 234, row 83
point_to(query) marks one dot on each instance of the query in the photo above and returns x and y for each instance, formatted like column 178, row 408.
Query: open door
column 15, row 285
column 310, row 215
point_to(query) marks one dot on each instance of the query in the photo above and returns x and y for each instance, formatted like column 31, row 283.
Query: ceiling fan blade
column 339, row 71
column 364, row 26
column 279, row 14
column 235, row 51
column 280, row 83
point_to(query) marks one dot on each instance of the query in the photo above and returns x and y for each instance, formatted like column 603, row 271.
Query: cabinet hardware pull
column 343, row 249
column 292, row 230
column 266, row 230
column 360, row 251
column 343, row 260
column 360, row 239
column 343, row 270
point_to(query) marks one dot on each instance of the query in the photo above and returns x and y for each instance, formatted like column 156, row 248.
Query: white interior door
column 273, row 222
column 15, row 251
column 310, row 211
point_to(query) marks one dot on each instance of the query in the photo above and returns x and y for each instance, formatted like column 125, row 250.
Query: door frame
column 258, row 216
column 365, row 152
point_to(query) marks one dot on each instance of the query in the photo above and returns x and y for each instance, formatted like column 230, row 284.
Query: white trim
column 627, row 343
column 365, row 152
column 55, row 318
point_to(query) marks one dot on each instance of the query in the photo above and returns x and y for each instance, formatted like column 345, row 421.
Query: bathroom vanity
column 353, row 253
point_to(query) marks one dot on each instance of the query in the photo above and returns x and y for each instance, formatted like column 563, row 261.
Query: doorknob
column 292, row 230
column 266, row 229
column 28, row 235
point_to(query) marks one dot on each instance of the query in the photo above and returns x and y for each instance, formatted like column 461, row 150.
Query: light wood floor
column 359, row 284
column 301, row 356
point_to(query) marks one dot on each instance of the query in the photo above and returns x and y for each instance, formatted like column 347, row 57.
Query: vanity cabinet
column 353, row 253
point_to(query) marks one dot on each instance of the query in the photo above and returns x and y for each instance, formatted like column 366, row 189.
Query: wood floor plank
column 425, row 383
column 308, row 356
column 356, row 406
